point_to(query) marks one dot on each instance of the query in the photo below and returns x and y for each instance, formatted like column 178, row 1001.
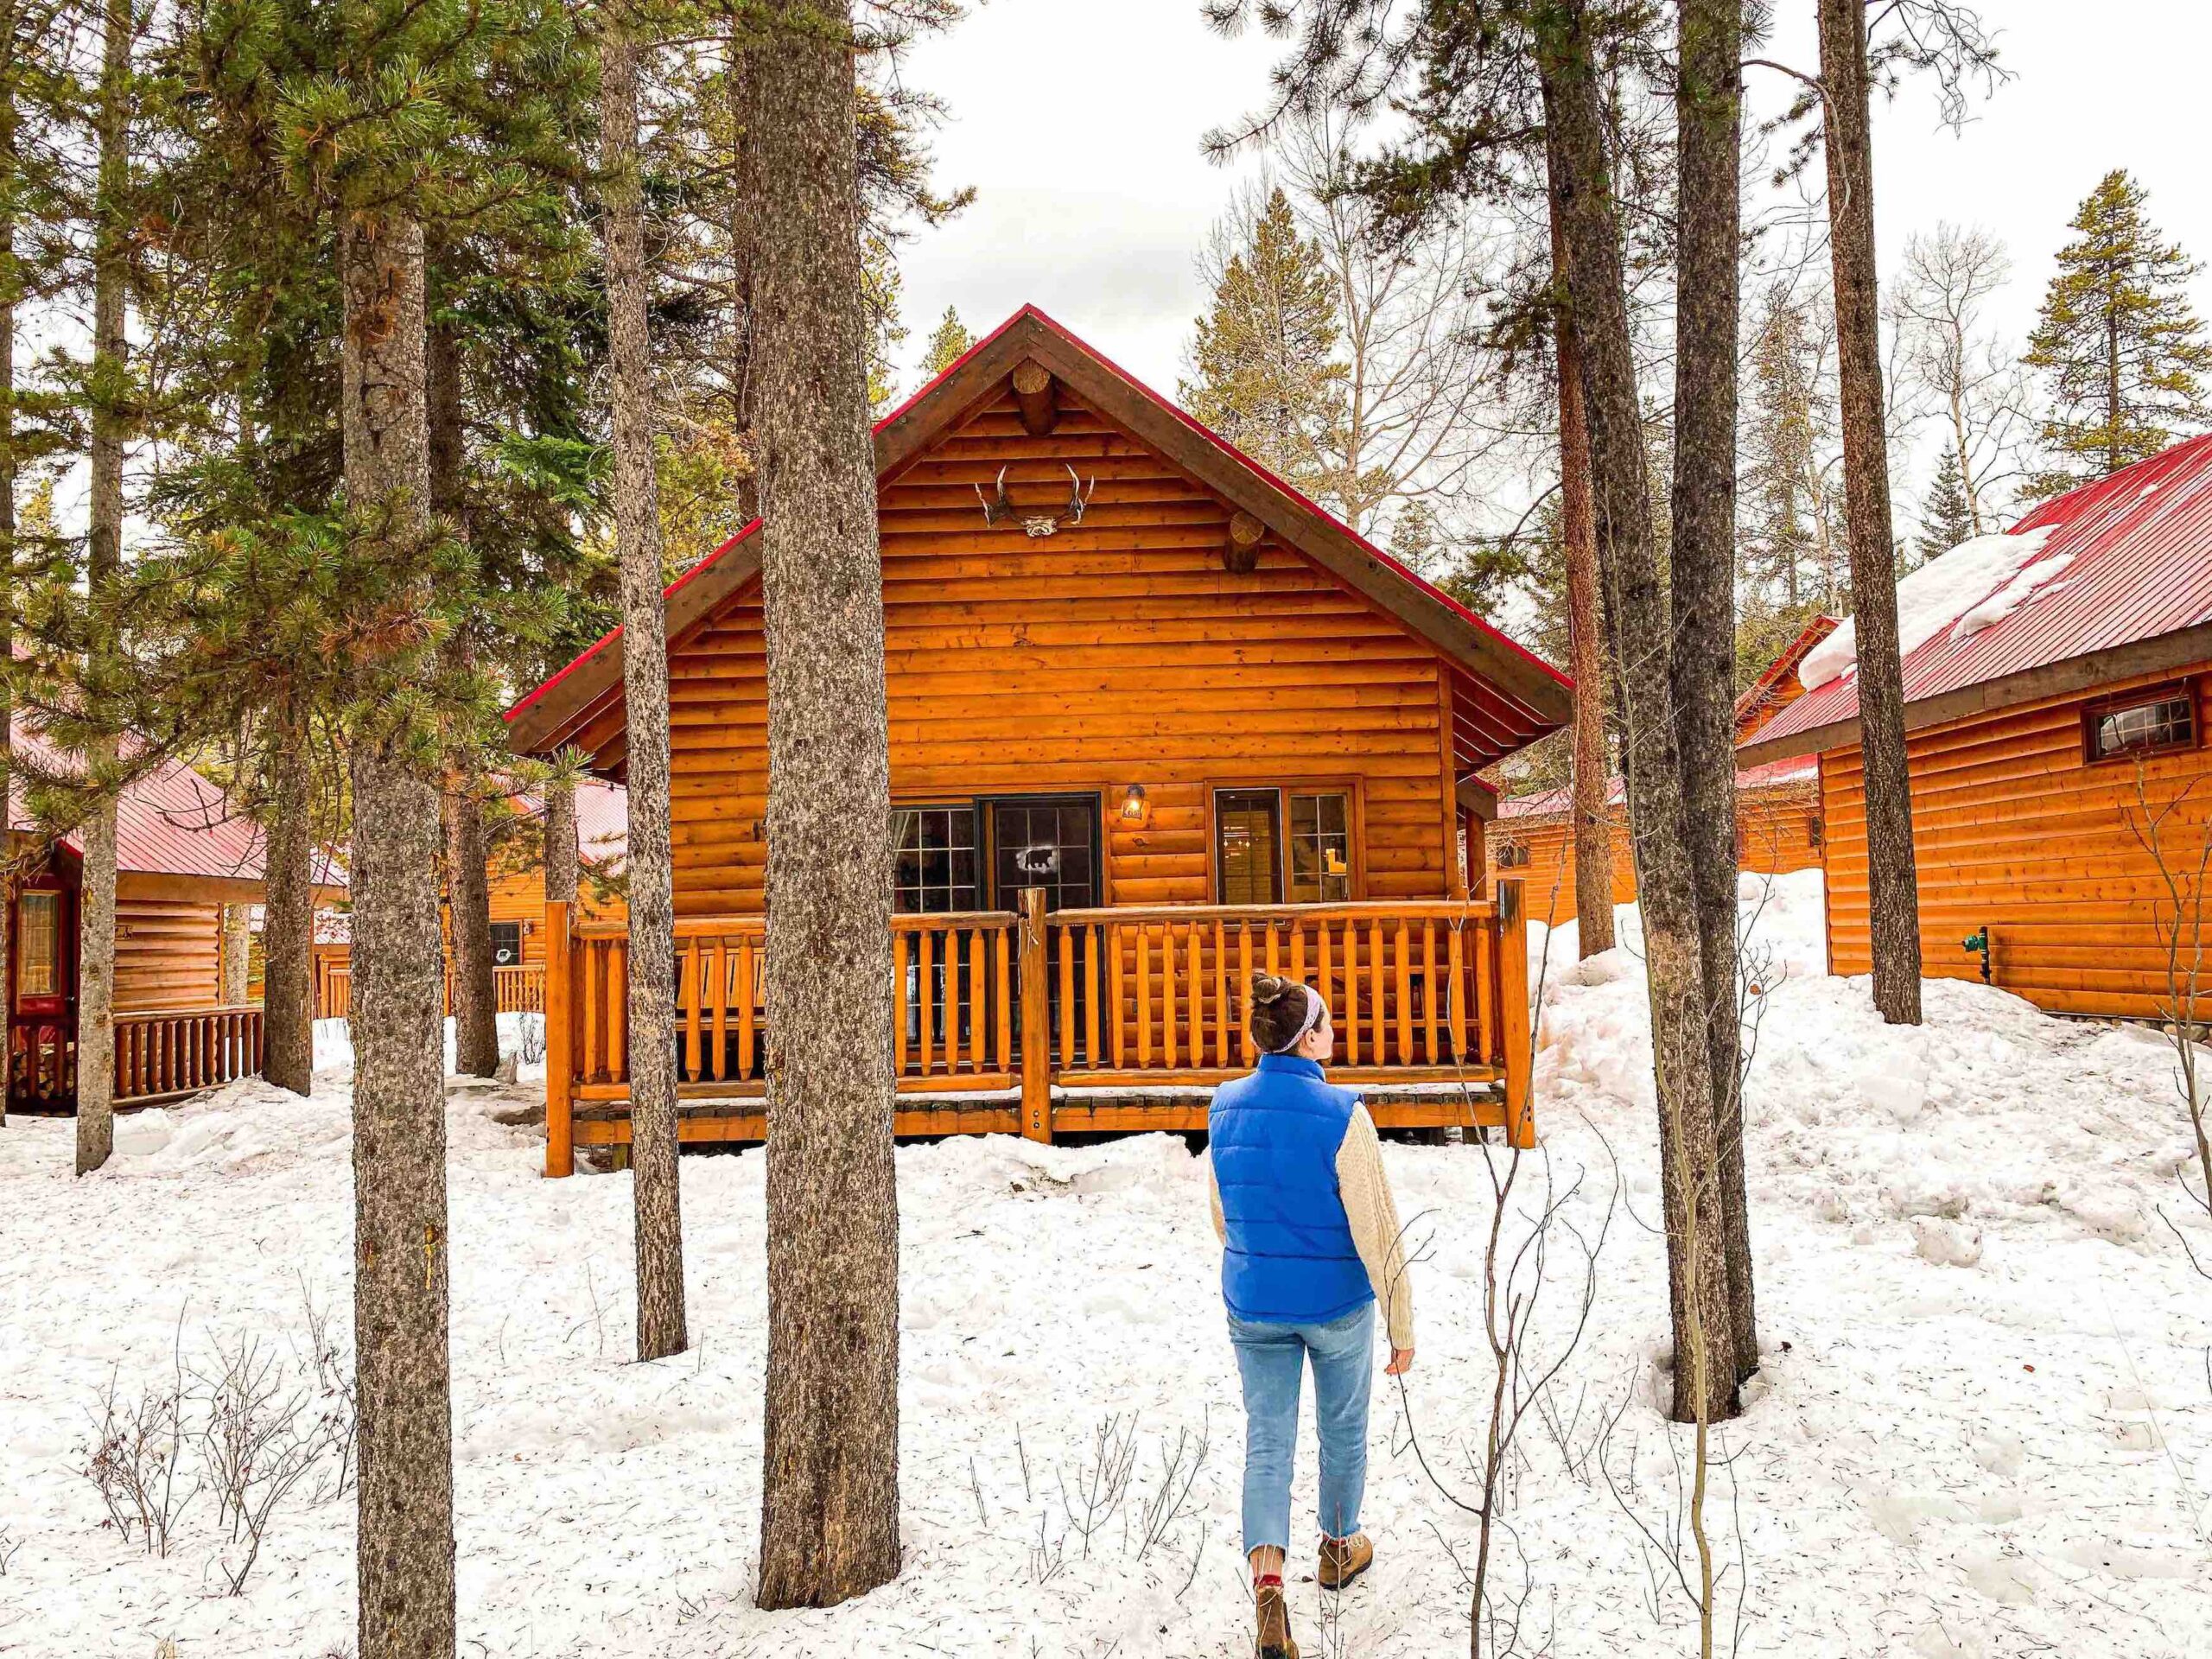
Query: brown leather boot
column 1343, row 1560
column 1271, row 1610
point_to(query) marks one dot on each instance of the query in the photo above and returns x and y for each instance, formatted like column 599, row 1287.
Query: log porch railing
column 519, row 989
column 1139, row 1010
column 161, row 1054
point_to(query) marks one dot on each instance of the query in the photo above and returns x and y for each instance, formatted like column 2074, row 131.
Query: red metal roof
column 1030, row 311
column 2141, row 547
column 1547, row 803
column 170, row 822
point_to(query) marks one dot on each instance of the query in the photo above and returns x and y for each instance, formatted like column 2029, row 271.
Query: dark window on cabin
column 937, row 865
column 1512, row 855
column 38, row 944
column 507, row 945
column 1321, row 849
column 1816, row 832
column 1248, row 845
column 2145, row 723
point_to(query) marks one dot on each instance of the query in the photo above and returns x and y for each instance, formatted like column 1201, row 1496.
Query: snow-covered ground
column 1984, row 1426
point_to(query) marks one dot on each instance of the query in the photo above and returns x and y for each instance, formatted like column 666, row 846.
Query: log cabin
column 1778, row 824
column 1155, row 720
column 183, row 857
column 2055, row 685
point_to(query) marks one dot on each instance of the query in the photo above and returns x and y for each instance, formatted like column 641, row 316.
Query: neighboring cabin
column 2056, row 702
column 516, row 876
column 1128, row 671
column 182, row 855
column 1779, row 826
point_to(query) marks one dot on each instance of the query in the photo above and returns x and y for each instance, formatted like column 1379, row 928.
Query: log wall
column 168, row 952
column 1117, row 651
column 2014, row 830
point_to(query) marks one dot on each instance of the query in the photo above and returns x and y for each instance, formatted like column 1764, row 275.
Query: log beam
column 1240, row 552
column 1033, row 390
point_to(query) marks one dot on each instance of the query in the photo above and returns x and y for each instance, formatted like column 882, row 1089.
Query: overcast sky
column 1079, row 126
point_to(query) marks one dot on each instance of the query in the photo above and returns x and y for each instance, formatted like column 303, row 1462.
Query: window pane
column 506, row 943
column 38, row 942
column 1320, row 850
column 936, row 867
column 1248, row 850
column 2165, row 723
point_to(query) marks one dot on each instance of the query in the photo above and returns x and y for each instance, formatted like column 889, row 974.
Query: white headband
column 1314, row 1008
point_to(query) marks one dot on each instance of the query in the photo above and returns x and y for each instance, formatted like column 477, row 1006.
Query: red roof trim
column 1212, row 436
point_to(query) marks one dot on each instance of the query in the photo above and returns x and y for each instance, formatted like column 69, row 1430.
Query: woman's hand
column 1401, row 1360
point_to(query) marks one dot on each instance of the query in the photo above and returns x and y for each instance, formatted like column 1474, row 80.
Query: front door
column 1049, row 842
column 41, row 995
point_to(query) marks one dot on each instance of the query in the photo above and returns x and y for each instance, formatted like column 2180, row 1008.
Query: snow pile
column 1937, row 595
column 1982, row 1425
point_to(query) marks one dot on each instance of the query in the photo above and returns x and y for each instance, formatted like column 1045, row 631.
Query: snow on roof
column 1977, row 583
column 2117, row 563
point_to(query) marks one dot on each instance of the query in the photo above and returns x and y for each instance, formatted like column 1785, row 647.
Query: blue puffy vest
column 1274, row 1135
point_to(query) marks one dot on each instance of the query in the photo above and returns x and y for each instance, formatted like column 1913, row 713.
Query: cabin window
column 2165, row 718
column 507, row 945
column 936, row 868
column 1513, row 856
column 38, row 944
column 1248, row 834
column 1320, row 850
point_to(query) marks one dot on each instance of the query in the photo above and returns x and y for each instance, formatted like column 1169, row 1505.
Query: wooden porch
column 161, row 1055
column 1044, row 1022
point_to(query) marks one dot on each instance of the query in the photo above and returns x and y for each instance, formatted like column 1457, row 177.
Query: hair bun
column 1268, row 989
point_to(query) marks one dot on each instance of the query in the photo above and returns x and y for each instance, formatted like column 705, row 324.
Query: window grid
column 936, row 867
column 1321, row 849
column 2165, row 720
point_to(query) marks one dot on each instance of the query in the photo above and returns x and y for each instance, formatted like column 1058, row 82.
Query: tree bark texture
column 561, row 852
column 1892, row 889
column 237, row 971
column 830, row 1500
column 403, row 1382
column 9, row 296
column 1637, row 614
column 656, row 1207
column 103, row 570
column 1592, row 777
column 474, row 986
column 1702, row 572
column 288, row 910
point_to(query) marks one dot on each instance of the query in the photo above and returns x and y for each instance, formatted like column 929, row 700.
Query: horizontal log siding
column 2012, row 828
column 168, row 953
column 1118, row 652
column 1776, row 837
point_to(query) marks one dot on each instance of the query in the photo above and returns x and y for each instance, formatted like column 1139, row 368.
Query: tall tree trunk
column 403, row 1379
column 1592, row 778
column 738, row 99
column 469, row 890
column 829, row 1497
column 560, row 853
column 236, row 941
column 103, row 571
column 1892, row 890
column 288, row 908
column 658, row 1223
column 1702, row 574
column 1636, row 613
column 10, row 282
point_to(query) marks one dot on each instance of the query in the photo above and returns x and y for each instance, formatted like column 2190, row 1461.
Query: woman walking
column 1310, row 1245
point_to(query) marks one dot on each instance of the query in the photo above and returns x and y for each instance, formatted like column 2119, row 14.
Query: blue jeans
column 1271, row 1359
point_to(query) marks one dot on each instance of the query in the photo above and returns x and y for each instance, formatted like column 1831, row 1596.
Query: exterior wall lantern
column 1135, row 808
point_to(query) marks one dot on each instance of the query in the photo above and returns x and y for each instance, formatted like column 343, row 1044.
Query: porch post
column 560, row 1062
column 1036, row 1021
column 1513, row 1010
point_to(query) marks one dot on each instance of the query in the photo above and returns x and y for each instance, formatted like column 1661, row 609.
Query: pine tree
column 1264, row 374
column 948, row 343
column 657, row 1228
column 2124, row 357
column 830, row 1435
column 1946, row 516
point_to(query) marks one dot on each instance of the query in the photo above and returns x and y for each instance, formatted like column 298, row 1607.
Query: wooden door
column 42, row 995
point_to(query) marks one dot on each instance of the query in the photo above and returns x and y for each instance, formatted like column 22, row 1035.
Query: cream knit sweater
column 1373, row 1214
